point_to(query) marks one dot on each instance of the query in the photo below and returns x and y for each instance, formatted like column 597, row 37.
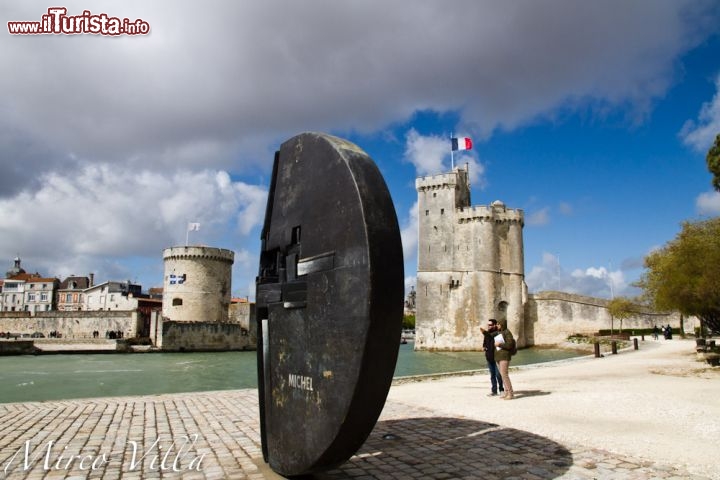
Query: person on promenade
column 496, row 381
column 656, row 331
column 504, row 344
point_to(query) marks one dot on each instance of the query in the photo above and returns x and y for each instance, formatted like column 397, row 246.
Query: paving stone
column 225, row 428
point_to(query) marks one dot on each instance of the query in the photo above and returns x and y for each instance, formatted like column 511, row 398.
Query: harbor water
column 67, row 376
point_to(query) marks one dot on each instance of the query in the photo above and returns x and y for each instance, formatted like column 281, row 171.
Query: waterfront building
column 71, row 293
column 13, row 293
column 27, row 292
column 40, row 293
column 112, row 296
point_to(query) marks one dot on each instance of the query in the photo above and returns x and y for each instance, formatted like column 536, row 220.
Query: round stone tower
column 197, row 284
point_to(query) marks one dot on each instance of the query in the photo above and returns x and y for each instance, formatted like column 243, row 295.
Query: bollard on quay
column 635, row 343
column 597, row 349
column 614, row 347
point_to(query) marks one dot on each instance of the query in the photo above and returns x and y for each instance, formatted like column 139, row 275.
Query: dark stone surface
column 329, row 304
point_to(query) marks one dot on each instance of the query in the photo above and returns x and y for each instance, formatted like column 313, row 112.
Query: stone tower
column 470, row 265
column 197, row 284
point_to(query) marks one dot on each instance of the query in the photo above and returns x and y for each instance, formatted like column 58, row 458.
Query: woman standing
column 504, row 343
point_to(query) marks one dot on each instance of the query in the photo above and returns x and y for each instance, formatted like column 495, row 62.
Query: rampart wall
column 205, row 336
column 241, row 313
column 550, row 317
column 75, row 324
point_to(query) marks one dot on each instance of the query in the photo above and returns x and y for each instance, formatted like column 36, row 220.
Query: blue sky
column 594, row 118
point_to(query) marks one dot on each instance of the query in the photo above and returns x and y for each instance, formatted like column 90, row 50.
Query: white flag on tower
column 193, row 227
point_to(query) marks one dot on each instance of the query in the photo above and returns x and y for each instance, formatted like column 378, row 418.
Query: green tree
column 684, row 275
column 713, row 162
column 621, row 308
column 408, row 322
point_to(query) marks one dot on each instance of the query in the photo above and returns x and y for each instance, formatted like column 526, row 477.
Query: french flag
column 461, row 143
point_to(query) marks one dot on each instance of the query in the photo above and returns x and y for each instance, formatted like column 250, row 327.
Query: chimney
column 92, row 279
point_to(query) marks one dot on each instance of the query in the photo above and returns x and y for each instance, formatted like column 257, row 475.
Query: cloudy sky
column 592, row 117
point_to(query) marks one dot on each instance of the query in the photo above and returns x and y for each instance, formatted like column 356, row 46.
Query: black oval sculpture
column 329, row 303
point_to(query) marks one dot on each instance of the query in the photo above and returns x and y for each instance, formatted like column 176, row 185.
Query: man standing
column 489, row 347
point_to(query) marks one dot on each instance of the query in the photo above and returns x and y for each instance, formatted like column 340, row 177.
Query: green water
column 59, row 377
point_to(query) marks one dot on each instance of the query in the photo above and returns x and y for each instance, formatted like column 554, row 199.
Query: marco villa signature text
column 173, row 455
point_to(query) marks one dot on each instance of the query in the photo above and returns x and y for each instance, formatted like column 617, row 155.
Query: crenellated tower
column 198, row 283
column 470, row 265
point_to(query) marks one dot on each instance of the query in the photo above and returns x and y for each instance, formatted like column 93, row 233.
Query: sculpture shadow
column 452, row 448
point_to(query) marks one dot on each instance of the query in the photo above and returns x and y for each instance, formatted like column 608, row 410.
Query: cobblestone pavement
column 215, row 435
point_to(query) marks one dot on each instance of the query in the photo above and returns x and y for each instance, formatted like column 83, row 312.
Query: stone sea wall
column 205, row 336
column 17, row 347
column 77, row 324
column 550, row 317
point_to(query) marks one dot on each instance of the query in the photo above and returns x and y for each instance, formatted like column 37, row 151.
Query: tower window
column 427, row 212
column 442, row 211
column 434, row 194
column 177, row 302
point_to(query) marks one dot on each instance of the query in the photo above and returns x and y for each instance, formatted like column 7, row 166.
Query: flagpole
column 187, row 233
column 452, row 157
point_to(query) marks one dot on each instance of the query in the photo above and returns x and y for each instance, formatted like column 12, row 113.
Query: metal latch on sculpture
column 318, row 263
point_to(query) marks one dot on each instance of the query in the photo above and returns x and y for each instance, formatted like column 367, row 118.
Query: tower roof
column 15, row 270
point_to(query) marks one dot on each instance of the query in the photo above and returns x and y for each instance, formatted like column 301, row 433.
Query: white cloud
column 598, row 282
column 210, row 83
column 409, row 233
column 565, row 208
column 539, row 217
column 101, row 211
column 243, row 273
column 701, row 134
column 475, row 168
column 708, row 203
column 431, row 155
column 427, row 154
column 108, row 146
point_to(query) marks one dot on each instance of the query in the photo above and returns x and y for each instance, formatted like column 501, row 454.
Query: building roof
column 144, row 300
column 117, row 287
column 81, row 283
column 17, row 269
column 32, row 277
